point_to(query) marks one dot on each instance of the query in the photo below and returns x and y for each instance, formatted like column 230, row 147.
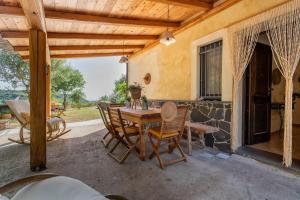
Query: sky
column 99, row 74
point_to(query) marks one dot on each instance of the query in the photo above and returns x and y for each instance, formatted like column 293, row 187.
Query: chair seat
column 156, row 132
column 130, row 130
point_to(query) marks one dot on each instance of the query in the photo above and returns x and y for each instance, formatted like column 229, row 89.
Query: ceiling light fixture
column 167, row 37
column 123, row 59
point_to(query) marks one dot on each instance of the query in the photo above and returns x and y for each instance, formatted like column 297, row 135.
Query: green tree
column 119, row 92
column 77, row 96
column 14, row 71
column 104, row 98
column 65, row 81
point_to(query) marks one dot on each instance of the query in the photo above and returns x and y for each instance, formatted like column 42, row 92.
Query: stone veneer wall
column 213, row 113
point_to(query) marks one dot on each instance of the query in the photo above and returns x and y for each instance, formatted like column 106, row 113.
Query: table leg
column 142, row 142
column 189, row 140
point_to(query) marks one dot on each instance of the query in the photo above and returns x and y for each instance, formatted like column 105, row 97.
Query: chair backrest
column 176, row 122
column 17, row 107
column 117, row 124
column 115, row 117
column 102, row 106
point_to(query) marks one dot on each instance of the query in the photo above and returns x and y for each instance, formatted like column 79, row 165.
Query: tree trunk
column 65, row 102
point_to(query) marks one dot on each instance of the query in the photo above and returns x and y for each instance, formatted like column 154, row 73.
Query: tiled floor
column 275, row 145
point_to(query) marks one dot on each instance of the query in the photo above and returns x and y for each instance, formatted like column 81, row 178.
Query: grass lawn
column 71, row 115
column 82, row 114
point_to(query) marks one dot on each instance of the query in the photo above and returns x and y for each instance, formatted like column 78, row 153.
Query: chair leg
column 105, row 136
column 189, row 134
column 115, row 146
column 126, row 154
column 104, row 142
column 176, row 141
column 155, row 152
column 21, row 136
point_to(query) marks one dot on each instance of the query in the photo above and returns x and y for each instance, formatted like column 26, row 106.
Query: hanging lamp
column 123, row 59
column 167, row 37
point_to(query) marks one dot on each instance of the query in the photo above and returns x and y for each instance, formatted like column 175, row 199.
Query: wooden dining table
column 141, row 117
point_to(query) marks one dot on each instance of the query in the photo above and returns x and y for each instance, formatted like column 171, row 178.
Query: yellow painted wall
column 171, row 67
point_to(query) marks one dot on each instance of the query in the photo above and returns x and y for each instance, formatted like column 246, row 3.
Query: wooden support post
column 48, row 91
column 38, row 81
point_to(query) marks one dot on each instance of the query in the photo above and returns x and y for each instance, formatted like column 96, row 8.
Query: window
column 211, row 71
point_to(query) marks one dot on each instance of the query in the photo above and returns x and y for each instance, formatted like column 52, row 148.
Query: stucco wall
column 171, row 67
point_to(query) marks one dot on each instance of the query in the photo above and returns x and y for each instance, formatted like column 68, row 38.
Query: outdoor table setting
column 141, row 118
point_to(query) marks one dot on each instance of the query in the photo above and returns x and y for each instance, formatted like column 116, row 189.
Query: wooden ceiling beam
column 14, row 34
column 85, row 55
column 200, row 18
column 80, row 17
column 11, row 10
column 85, row 36
column 63, row 15
column 201, row 4
column 34, row 13
column 84, row 47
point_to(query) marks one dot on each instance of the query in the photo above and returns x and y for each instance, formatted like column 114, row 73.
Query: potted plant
column 135, row 90
column 144, row 103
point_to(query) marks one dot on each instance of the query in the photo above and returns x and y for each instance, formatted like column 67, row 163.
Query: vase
column 136, row 94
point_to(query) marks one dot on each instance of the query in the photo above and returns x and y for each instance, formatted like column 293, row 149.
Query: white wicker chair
column 56, row 126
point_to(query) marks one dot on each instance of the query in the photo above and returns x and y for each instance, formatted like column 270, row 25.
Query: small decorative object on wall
column 144, row 103
column 136, row 91
column 147, row 78
column 276, row 76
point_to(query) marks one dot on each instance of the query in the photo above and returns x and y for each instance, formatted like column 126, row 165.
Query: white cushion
column 18, row 106
column 58, row 188
column 3, row 197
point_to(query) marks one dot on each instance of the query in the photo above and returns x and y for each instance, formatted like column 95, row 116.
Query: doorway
column 258, row 96
column 263, row 104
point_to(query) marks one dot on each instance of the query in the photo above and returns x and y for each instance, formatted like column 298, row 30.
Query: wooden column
column 38, row 82
column 48, row 91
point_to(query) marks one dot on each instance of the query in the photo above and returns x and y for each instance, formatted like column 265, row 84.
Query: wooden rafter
column 87, row 36
column 85, row 55
column 84, row 47
column 63, row 15
column 194, row 21
column 201, row 4
column 82, row 17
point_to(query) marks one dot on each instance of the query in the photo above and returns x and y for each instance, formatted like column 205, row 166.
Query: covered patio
column 204, row 176
column 205, row 71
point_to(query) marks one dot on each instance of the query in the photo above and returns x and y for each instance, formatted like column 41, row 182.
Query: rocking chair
column 56, row 126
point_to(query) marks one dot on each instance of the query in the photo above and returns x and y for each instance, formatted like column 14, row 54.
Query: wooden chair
column 123, row 133
column 102, row 106
column 170, row 132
